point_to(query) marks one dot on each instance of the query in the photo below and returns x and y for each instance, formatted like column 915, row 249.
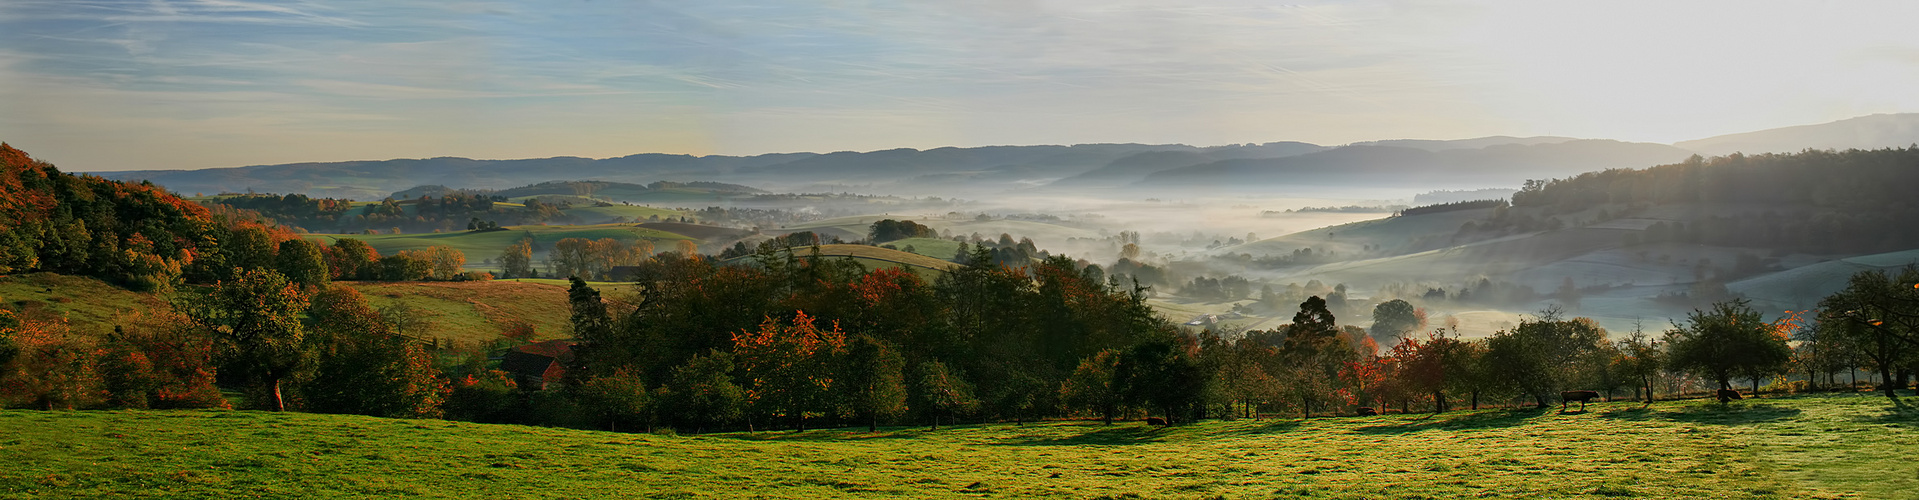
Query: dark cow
column 1157, row 421
column 1567, row 397
column 1727, row 395
column 1366, row 411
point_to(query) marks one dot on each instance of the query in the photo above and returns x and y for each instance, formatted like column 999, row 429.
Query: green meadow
column 481, row 245
column 1814, row 446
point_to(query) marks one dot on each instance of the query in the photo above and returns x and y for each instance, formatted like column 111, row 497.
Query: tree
column 352, row 259
column 254, row 321
column 517, row 260
column 1541, row 356
column 616, row 397
column 1730, row 339
column 702, row 393
column 361, row 363
column 1092, row 387
column 875, row 387
column 1161, row 373
column 1394, row 319
column 303, row 263
column 1641, row 358
column 790, row 367
column 446, row 261
column 942, row 392
column 1428, row 367
column 1875, row 317
column 589, row 316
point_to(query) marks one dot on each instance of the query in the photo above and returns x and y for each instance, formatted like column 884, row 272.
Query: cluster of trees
column 777, row 243
column 352, row 259
column 1815, row 201
column 888, row 230
column 816, row 339
column 581, row 257
column 290, row 346
column 1454, row 206
column 1218, row 289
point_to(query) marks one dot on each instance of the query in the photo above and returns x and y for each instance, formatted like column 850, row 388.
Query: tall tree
column 702, row 393
column 875, row 385
column 352, row 259
column 1394, row 319
column 1729, row 339
column 942, row 392
column 255, row 322
column 1878, row 318
column 517, row 260
column 362, row 365
column 1092, row 386
column 303, row 263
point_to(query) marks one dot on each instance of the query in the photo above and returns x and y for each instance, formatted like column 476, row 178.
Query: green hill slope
column 487, row 244
column 1805, row 447
column 873, row 258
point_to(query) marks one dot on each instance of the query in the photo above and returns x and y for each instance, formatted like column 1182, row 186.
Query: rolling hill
column 1865, row 132
column 482, row 245
column 926, row 267
column 1382, row 166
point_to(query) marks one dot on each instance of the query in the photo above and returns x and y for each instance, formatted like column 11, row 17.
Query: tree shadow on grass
column 1483, row 419
column 1742, row 413
column 1259, row 428
column 1117, row 435
column 1900, row 414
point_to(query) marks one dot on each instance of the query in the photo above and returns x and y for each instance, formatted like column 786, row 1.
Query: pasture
column 1815, row 446
column 482, row 245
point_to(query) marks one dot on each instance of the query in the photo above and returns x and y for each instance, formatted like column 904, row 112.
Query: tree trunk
column 1475, row 399
column 1885, row 381
column 874, row 424
column 936, row 421
column 1755, row 387
column 280, row 402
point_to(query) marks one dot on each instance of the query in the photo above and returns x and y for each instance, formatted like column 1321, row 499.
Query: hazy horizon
column 105, row 85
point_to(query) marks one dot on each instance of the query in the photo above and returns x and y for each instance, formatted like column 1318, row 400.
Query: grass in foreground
column 1814, row 446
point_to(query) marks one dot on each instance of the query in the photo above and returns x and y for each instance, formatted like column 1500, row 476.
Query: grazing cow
column 1727, row 395
column 1366, row 411
column 1157, row 421
column 1568, row 397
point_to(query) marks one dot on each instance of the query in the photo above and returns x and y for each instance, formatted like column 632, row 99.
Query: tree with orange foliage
column 791, row 368
column 1428, row 367
column 156, row 359
column 43, row 366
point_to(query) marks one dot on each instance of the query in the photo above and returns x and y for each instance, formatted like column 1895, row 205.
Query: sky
column 96, row 85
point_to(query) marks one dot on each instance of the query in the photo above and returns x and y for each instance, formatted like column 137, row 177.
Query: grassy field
column 479, row 246
column 477, row 311
column 465, row 312
column 85, row 302
column 875, row 257
column 938, row 248
column 1801, row 447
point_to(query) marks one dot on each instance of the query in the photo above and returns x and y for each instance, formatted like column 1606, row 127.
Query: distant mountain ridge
column 1092, row 168
column 1412, row 167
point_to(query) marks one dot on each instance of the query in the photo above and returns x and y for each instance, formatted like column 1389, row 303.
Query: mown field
column 1799, row 447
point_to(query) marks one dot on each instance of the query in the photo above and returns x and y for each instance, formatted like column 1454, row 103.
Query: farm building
column 534, row 365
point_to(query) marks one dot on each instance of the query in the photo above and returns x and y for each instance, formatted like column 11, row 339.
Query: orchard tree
column 1877, row 316
column 1543, row 356
column 1161, row 373
column 1727, row 340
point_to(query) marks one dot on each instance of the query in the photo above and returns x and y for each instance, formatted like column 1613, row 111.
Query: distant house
column 534, row 365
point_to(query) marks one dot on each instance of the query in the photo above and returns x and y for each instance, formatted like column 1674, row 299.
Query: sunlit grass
column 1787, row 448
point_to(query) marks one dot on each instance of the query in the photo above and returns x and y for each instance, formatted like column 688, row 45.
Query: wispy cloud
column 308, row 80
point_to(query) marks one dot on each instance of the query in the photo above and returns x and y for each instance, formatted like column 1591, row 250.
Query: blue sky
column 112, row 85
